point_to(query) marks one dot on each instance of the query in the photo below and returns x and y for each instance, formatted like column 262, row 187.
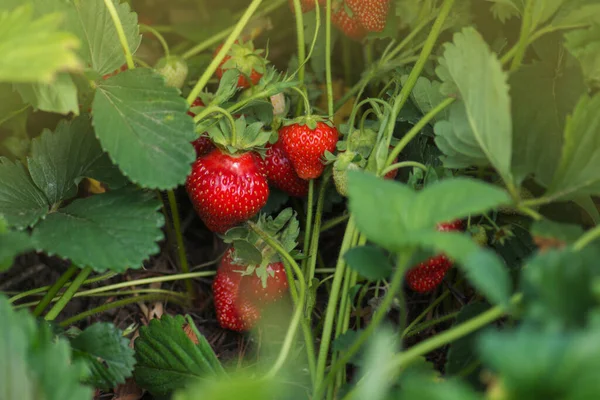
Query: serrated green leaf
column 25, row 41
column 427, row 95
column 577, row 13
column 61, row 159
column 168, row 360
column 577, row 173
column 144, row 127
column 106, row 353
column 370, row 262
column 227, row 86
column 585, row 46
column 542, row 93
column 247, row 252
column 482, row 87
column 59, row 97
column 11, row 244
column 504, row 10
column 37, row 365
column 125, row 221
column 101, row 48
column 21, row 202
column 242, row 386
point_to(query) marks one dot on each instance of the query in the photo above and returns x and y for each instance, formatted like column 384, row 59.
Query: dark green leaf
column 115, row 230
column 427, row 95
column 36, row 365
column 107, row 354
column 11, row 244
column 369, row 261
column 144, row 127
column 248, row 252
column 168, row 360
column 21, row 202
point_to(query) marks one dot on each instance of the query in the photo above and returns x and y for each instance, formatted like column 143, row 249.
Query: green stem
column 427, row 324
column 212, row 67
column 378, row 316
column 416, row 129
column 418, row 68
column 334, row 222
column 526, row 27
column 300, row 39
column 68, row 294
column 425, row 312
column 183, row 262
column 54, row 289
column 332, row 305
column 120, row 32
column 407, row 39
column 328, row 73
column 314, row 244
column 403, row 164
column 587, row 238
column 115, row 304
column 307, row 228
column 158, row 36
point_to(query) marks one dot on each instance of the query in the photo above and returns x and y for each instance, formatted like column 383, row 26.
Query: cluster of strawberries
column 356, row 18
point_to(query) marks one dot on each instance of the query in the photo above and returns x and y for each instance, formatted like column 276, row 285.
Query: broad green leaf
column 578, row 173
column 125, row 221
column 543, row 10
column 168, row 360
column 542, row 365
column 427, row 95
column 416, row 387
column 11, row 244
column 239, row 386
column 36, row 365
column 144, row 127
column 101, row 48
column 542, row 93
column 558, row 289
column 21, row 202
column 25, row 41
column 375, row 381
column 106, row 353
column 61, row 159
column 585, row 46
column 369, row 261
column 477, row 74
column 576, row 13
column 58, row 97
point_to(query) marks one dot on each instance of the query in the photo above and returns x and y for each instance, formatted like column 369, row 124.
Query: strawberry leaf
column 427, row 95
column 144, row 127
column 585, row 46
column 125, row 221
column 227, row 87
column 369, row 261
column 107, row 354
column 482, row 119
column 37, row 365
column 58, row 97
column 168, row 360
column 94, row 26
column 25, row 41
column 11, row 244
column 21, row 202
column 239, row 386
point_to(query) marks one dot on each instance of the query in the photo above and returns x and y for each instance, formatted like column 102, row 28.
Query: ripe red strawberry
column 426, row 276
column 350, row 25
column 392, row 174
column 203, row 144
column 227, row 190
column 281, row 173
column 372, row 14
column 243, row 57
column 276, row 286
column 233, row 312
column 306, row 147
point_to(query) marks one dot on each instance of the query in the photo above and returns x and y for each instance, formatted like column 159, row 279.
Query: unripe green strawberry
column 479, row 235
column 341, row 166
column 174, row 69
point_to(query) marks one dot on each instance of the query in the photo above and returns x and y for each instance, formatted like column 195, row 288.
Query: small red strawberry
column 276, row 285
column 306, row 147
column 350, row 25
column 372, row 14
column 227, row 190
column 243, row 57
column 426, row 276
column 232, row 312
column 203, row 144
column 392, row 174
column 281, row 173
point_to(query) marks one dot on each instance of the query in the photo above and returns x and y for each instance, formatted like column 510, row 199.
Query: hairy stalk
column 587, row 238
column 54, row 289
column 332, row 223
column 425, row 312
column 68, row 294
column 183, row 262
column 120, row 32
column 307, row 227
column 328, row 73
column 403, row 164
column 427, row 324
column 300, row 40
column 314, row 245
column 524, row 36
column 158, row 36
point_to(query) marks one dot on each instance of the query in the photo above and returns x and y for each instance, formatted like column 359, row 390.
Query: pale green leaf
column 21, row 202
column 101, row 48
column 585, row 46
column 427, row 95
column 25, row 41
column 144, row 127
column 61, row 159
column 578, row 172
column 106, row 353
column 58, row 97
column 240, row 386
column 504, row 10
column 36, row 364
column 376, row 379
column 482, row 87
column 369, row 261
column 126, row 221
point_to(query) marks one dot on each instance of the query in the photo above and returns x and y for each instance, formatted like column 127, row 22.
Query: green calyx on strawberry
column 251, row 275
column 174, row 69
column 249, row 135
column 479, row 234
column 346, row 161
column 306, row 140
column 429, row 274
column 243, row 57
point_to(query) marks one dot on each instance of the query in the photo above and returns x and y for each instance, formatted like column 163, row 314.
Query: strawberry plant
column 296, row 199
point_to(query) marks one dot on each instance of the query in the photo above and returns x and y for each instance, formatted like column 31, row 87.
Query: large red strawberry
column 226, row 189
column 233, row 312
column 349, row 24
column 203, row 144
column 281, row 173
column 371, row 14
column 306, row 146
column 243, row 57
column 428, row 275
